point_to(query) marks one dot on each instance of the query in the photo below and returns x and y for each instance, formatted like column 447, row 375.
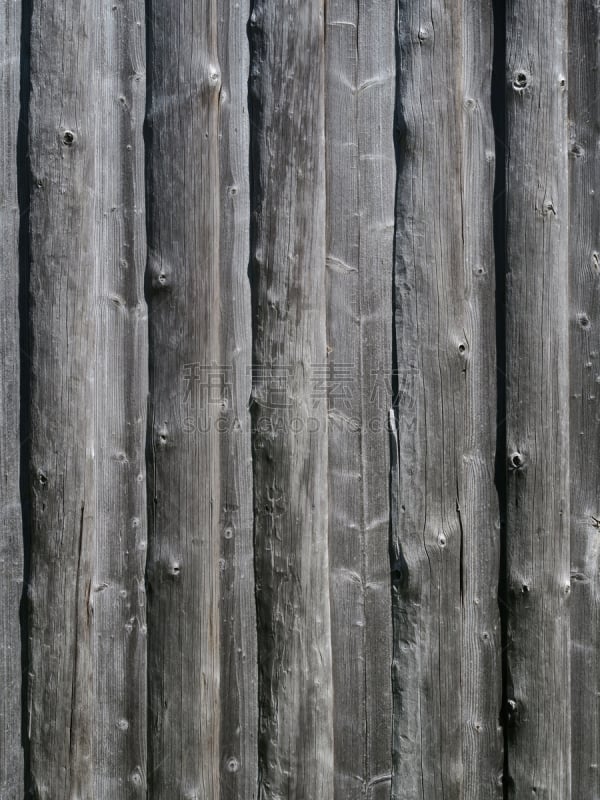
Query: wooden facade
column 299, row 399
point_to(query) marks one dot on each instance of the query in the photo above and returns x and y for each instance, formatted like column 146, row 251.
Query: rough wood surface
column 11, row 537
column 584, row 321
column 239, row 691
column 289, row 441
column 313, row 478
column 360, row 89
column 121, row 389
column 477, row 500
column 62, row 153
column 445, row 539
column 538, row 577
column 184, row 494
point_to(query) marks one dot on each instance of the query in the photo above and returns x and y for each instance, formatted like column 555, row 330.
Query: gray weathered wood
column 538, row 578
column 11, row 537
column 584, row 320
column 367, row 357
column 121, row 389
column 289, row 429
column 239, row 693
column 64, row 96
column 360, row 87
column 477, row 503
column 185, row 497
column 445, row 533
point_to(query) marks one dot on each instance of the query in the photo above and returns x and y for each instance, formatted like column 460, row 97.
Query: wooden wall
column 299, row 400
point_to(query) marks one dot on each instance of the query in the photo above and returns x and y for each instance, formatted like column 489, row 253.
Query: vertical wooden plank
column 377, row 184
column 11, row 536
column 185, row 495
column 289, row 439
column 477, row 501
column 538, row 577
column 121, row 389
column 239, row 691
column 445, row 532
column 61, row 147
column 584, row 319
column 346, row 534
column 360, row 88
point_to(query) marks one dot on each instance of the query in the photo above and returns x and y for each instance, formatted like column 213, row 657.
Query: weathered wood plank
column 538, row 579
column 239, row 692
column 346, row 535
column 289, row 439
column 445, row 540
column 64, row 95
column 584, row 319
column 121, row 389
column 360, row 86
column 185, row 496
column 477, row 501
column 11, row 535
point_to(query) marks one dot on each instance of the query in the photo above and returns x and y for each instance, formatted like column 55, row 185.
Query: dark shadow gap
column 148, row 297
column 24, row 194
column 401, row 382
column 498, row 95
column 255, row 110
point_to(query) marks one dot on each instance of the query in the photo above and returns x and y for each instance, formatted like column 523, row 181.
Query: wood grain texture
column 121, row 389
column 184, row 496
column 445, row 532
column 239, row 691
column 360, row 88
column 477, row 501
column 62, row 157
column 11, row 534
column 538, row 578
column 584, row 319
column 289, row 441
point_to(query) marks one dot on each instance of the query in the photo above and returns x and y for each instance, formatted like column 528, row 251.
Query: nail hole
column 68, row 138
column 577, row 151
column 520, row 81
column 516, row 460
column 233, row 764
column 583, row 320
column 160, row 280
column 136, row 778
